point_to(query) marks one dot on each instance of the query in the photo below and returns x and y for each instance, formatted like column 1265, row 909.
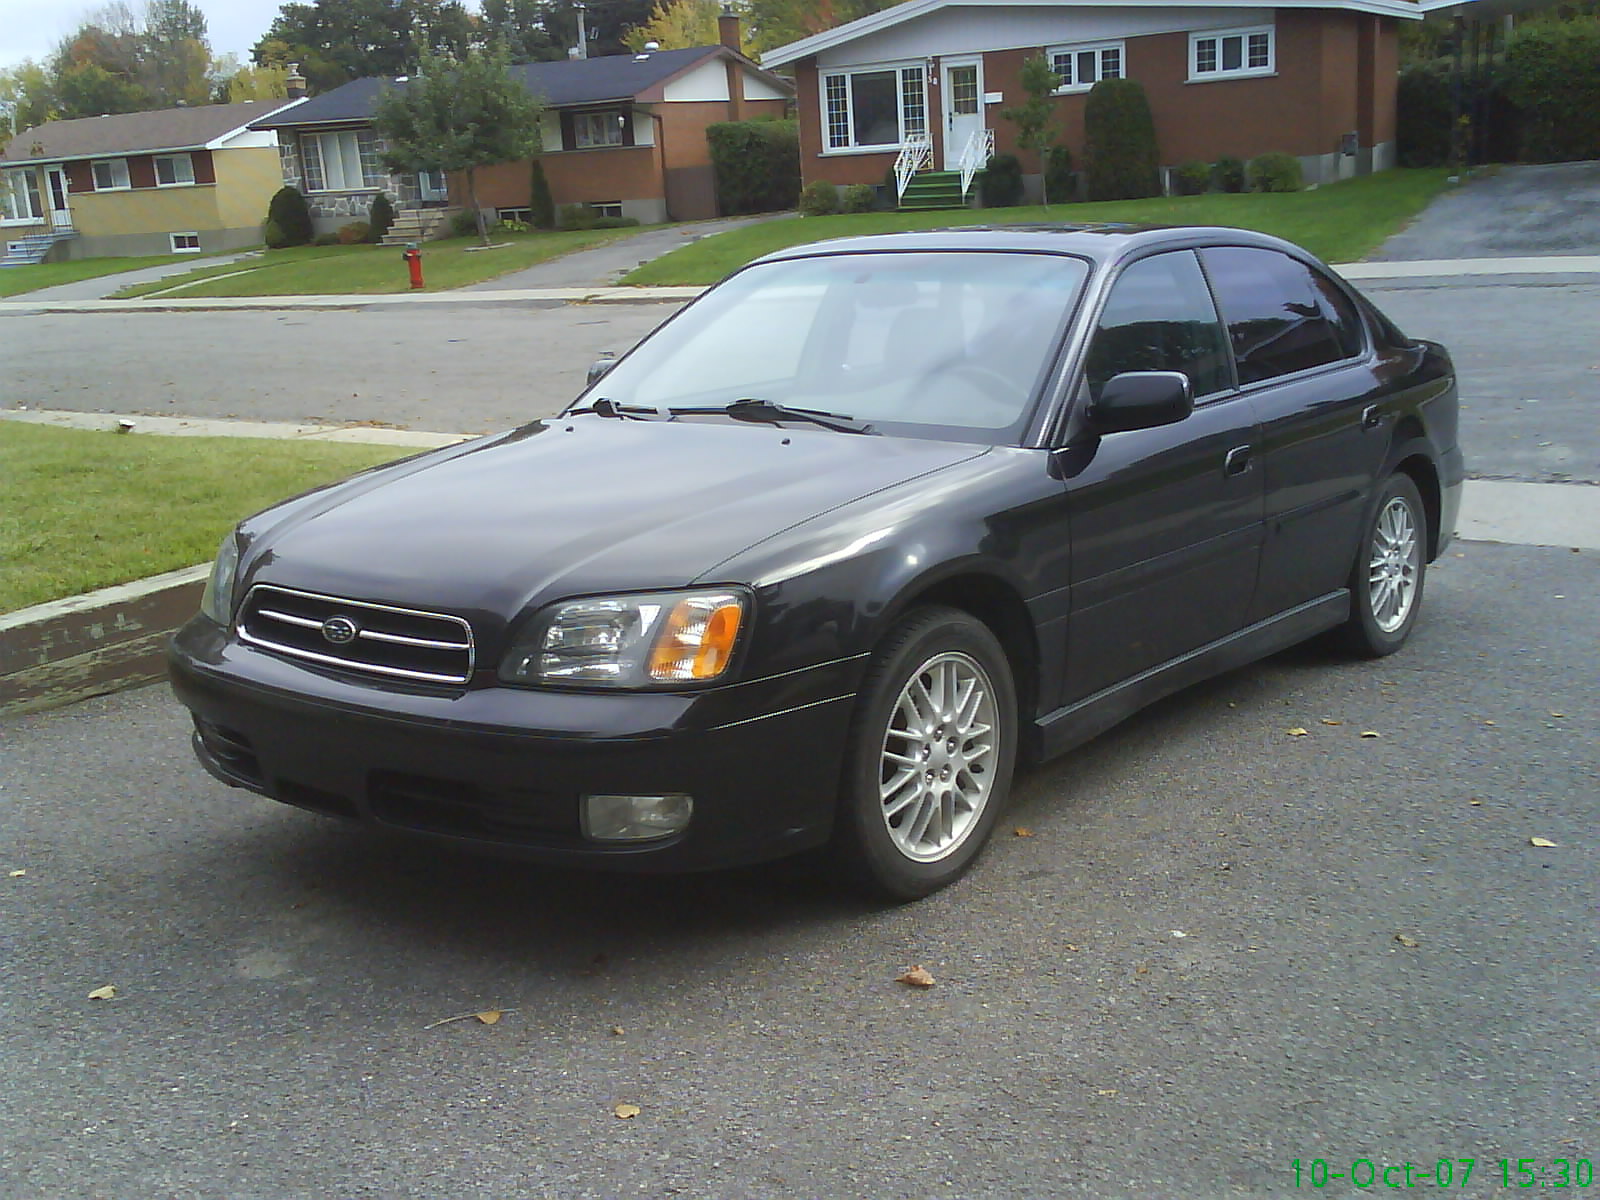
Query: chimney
column 728, row 29
column 295, row 83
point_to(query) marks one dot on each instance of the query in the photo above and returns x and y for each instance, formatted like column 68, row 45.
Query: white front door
column 961, row 94
column 56, row 185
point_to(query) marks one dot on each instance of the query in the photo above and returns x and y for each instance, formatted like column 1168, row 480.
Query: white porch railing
column 916, row 154
column 979, row 149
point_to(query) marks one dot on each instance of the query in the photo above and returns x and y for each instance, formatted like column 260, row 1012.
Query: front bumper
column 502, row 769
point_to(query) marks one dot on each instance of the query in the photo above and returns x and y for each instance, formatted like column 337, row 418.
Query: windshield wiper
column 607, row 407
column 752, row 409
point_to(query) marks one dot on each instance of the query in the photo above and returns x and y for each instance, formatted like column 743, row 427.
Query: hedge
column 756, row 165
column 1120, row 142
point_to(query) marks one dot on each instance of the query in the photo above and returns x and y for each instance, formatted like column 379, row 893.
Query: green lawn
column 368, row 270
column 16, row 280
column 1339, row 223
column 86, row 509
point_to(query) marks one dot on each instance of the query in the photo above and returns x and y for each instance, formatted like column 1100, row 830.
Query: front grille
column 451, row 807
column 373, row 639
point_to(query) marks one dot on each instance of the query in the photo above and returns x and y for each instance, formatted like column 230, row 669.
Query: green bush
column 354, row 233
column 614, row 222
column 1422, row 124
column 818, row 198
column 325, row 239
column 1228, row 174
column 542, row 207
column 857, row 198
column 1000, row 185
column 1552, row 75
column 272, row 235
column 1120, row 142
column 288, row 209
column 511, row 225
column 1059, row 182
column 576, row 216
column 755, row 165
column 1275, row 171
column 465, row 223
column 379, row 217
column 1191, row 178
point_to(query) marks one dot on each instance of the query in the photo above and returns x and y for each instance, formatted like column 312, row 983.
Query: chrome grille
column 374, row 639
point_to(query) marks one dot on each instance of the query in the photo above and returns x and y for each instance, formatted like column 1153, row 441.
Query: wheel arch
column 1412, row 457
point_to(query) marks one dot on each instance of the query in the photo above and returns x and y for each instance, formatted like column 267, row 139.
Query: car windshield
column 931, row 344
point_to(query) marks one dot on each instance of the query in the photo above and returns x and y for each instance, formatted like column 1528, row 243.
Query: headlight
column 642, row 640
column 217, row 600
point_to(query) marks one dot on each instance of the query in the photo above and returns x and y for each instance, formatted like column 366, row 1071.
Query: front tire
column 1390, row 569
column 931, row 754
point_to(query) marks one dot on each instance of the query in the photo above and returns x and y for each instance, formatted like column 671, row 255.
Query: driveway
column 1509, row 212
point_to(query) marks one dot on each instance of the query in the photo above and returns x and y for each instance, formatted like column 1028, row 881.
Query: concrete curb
column 588, row 295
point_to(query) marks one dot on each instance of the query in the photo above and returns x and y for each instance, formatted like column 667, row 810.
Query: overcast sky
column 31, row 28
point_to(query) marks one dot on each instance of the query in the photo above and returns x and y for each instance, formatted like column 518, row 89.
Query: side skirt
column 1075, row 723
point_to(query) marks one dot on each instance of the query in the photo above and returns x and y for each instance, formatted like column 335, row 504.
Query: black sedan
column 829, row 552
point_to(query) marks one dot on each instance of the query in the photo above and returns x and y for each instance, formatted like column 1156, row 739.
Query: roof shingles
column 134, row 133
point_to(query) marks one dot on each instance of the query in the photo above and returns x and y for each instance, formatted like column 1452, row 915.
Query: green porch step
column 934, row 189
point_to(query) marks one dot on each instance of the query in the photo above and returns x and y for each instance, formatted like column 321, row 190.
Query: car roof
column 1102, row 243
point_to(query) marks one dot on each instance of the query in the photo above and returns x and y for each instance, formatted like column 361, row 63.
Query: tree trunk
column 477, row 212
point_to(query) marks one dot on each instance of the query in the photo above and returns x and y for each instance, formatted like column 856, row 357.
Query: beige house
column 173, row 181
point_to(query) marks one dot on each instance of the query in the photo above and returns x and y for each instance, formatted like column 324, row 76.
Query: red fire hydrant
column 413, row 258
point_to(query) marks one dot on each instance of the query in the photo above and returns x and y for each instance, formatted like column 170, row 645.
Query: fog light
column 634, row 818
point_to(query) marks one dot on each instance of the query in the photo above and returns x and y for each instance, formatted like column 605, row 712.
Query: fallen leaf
column 1479, row 803
column 1141, row 970
column 490, row 1016
column 109, row 992
column 915, row 977
column 1072, row 948
column 627, row 1111
column 1179, row 933
column 1297, row 732
column 1408, row 943
column 1553, row 713
column 1022, row 831
column 1105, row 1091
column 487, row 1016
column 1330, row 721
column 20, row 874
column 617, row 1031
column 1370, row 733
column 1488, row 722
column 1544, row 843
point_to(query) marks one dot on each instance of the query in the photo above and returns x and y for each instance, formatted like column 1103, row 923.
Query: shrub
column 1228, row 174
column 325, row 239
column 613, row 222
column 755, row 165
column 857, row 198
column 511, row 225
column 272, row 235
column 465, row 223
column 1059, row 182
column 379, row 217
column 1552, row 75
column 818, row 198
column 540, row 203
column 354, row 232
column 292, row 215
column 577, row 216
column 1191, row 178
column 1120, row 142
column 1422, row 125
column 1000, row 186
column 1275, row 171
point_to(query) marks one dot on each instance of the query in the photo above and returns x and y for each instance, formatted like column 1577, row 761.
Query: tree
column 459, row 115
column 26, row 97
column 235, row 83
column 518, row 25
column 1119, row 137
column 678, row 25
column 604, row 20
column 336, row 41
column 779, row 22
column 1032, row 117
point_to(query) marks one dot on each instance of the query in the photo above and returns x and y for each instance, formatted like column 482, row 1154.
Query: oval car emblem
column 341, row 631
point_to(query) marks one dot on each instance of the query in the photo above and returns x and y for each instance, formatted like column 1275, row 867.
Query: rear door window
column 1282, row 315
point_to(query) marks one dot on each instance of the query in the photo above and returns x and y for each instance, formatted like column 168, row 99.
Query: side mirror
column 600, row 366
column 1141, row 400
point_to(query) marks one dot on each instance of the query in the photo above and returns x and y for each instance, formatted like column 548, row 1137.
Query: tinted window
column 1282, row 316
column 1159, row 317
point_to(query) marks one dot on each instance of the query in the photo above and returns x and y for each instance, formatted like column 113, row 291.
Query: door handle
column 1237, row 462
column 1371, row 417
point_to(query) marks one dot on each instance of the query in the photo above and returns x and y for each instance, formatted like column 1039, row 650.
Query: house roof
column 197, row 128
column 564, row 84
column 888, row 18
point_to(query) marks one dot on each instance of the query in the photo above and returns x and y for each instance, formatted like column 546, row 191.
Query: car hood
column 572, row 506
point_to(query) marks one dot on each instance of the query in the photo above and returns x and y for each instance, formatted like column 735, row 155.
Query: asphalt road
column 277, row 975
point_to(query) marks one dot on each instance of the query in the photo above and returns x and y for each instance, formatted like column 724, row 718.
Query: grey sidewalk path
column 1463, row 268
column 104, row 285
column 1492, row 510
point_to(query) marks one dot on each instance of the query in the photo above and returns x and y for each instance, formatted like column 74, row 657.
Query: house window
column 1231, row 53
column 19, row 198
column 607, row 208
column 174, row 170
column 1081, row 67
column 185, row 243
column 110, row 174
column 592, row 129
column 341, row 162
column 876, row 109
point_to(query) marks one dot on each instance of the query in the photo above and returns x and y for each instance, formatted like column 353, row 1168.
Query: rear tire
column 931, row 755
column 1387, row 579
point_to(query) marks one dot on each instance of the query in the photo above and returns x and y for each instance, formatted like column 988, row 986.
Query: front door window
column 60, row 213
